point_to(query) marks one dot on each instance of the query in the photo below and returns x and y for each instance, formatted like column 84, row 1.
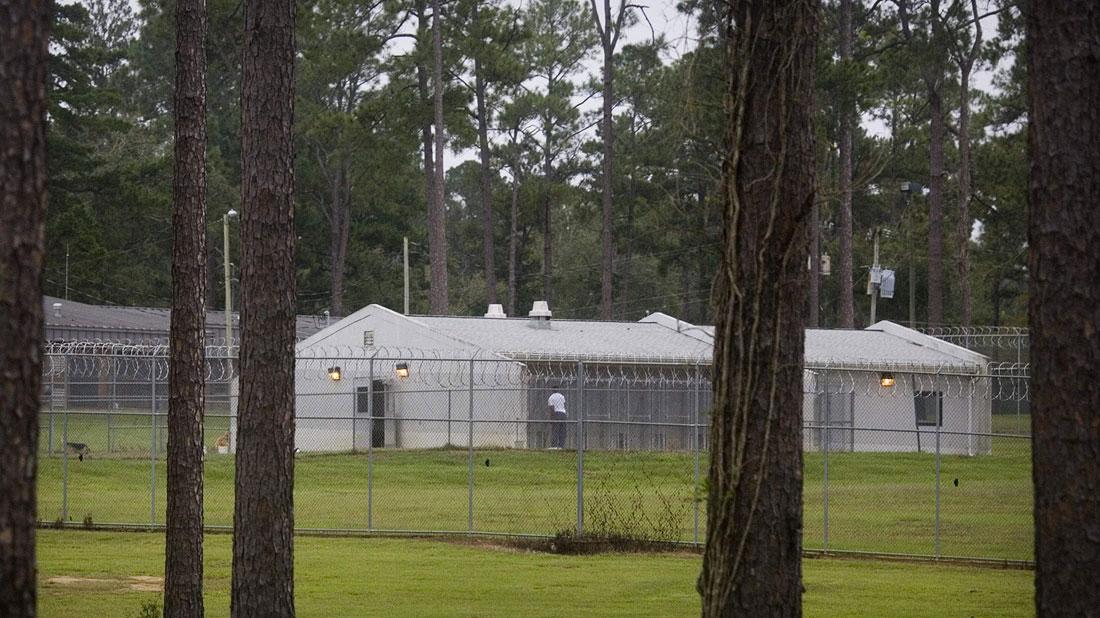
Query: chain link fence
column 898, row 460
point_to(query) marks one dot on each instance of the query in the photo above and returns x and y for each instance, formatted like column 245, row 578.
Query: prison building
column 380, row 379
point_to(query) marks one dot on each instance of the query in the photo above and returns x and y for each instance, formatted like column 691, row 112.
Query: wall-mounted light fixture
column 402, row 370
column 887, row 380
column 334, row 374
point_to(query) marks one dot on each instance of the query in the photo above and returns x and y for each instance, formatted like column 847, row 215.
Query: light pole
column 907, row 191
column 228, row 291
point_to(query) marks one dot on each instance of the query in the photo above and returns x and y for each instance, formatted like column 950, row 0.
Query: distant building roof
column 526, row 338
column 74, row 320
column 881, row 344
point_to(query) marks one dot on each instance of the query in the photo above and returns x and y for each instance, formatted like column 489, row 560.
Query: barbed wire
column 411, row 369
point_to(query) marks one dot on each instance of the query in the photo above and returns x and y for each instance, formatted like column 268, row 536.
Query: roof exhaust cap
column 57, row 310
column 496, row 312
column 540, row 310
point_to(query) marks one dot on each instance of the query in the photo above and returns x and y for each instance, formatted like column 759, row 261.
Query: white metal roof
column 883, row 344
column 524, row 338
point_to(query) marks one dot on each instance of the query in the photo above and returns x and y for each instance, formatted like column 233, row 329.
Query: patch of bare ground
column 134, row 583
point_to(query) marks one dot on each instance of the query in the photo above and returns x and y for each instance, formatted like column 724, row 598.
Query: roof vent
column 540, row 310
column 496, row 311
column 57, row 310
column 540, row 314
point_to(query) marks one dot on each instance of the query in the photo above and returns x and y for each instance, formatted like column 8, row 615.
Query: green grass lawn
column 409, row 577
column 879, row 502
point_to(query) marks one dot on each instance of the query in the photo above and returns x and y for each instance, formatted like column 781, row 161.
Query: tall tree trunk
column 437, row 216
column 609, row 34
column 627, row 263
column 24, row 34
column 1064, row 302
column 422, row 78
column 845, row 260
column 187, row 358
column 513, row 248
column 752, row 561
column 965, row 222
column 815, row 267
column 263, row 518
column 935, row 206
column 340, row 229
column 936, row 130
column 486, row 184
column 547, row 229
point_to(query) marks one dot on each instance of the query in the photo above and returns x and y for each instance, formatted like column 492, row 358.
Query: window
column 929, row 408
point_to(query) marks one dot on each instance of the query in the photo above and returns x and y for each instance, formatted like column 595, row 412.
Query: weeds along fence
column 904, row 460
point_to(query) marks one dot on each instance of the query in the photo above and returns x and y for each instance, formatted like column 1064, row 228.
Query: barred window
column 929, row 408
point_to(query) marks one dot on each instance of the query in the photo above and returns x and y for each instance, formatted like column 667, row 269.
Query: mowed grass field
column 877, row 502
column 93, row 573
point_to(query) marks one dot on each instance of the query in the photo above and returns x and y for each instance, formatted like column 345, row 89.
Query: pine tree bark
column 845, row 260
column 547, row 227
column 24, row 35
column 936, row 131
column 263, row 519
column 437, row 216
column 426, row 143
column 183, row 569
column 340, row 230
column 1064, row 302
column 486, row 183
column 752, row 560
column 513, row 245
column 815, row 268
column 965, row 222
column 609, row 37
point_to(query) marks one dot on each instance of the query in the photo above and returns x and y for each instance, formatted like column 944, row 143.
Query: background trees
column 522, row 94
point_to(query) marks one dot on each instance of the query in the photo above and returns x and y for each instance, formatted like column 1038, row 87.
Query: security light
column 402, row 370
column 334, row 374
column 886, row 380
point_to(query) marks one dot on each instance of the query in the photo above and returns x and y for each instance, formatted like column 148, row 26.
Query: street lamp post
column 907, row 191
column 228, row 291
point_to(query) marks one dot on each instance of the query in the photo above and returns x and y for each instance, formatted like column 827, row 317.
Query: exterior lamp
column 887, row 380
column 402, row 370
column 334, row 373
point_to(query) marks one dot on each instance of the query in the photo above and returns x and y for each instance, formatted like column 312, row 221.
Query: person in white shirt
column 556, row 408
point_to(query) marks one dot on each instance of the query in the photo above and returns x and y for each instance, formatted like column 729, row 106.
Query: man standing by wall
column 555, row 405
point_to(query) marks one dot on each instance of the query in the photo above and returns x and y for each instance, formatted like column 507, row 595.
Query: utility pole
column 406, row 251
column 228, row 290
column 66, row 271
column 876, row 278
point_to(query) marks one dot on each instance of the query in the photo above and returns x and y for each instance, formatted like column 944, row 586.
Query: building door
column 834, row 408
column 377, row 408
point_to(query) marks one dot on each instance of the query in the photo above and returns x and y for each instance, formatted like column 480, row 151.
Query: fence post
column 49, row 435
column 370, row 444
column 470, row 456
column 65, row 457
column 826, row 437
column 112, row 366
column 695, row 456
column 1018, row 386
column 580, row 449
column 153, row 443
column 939, row 421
